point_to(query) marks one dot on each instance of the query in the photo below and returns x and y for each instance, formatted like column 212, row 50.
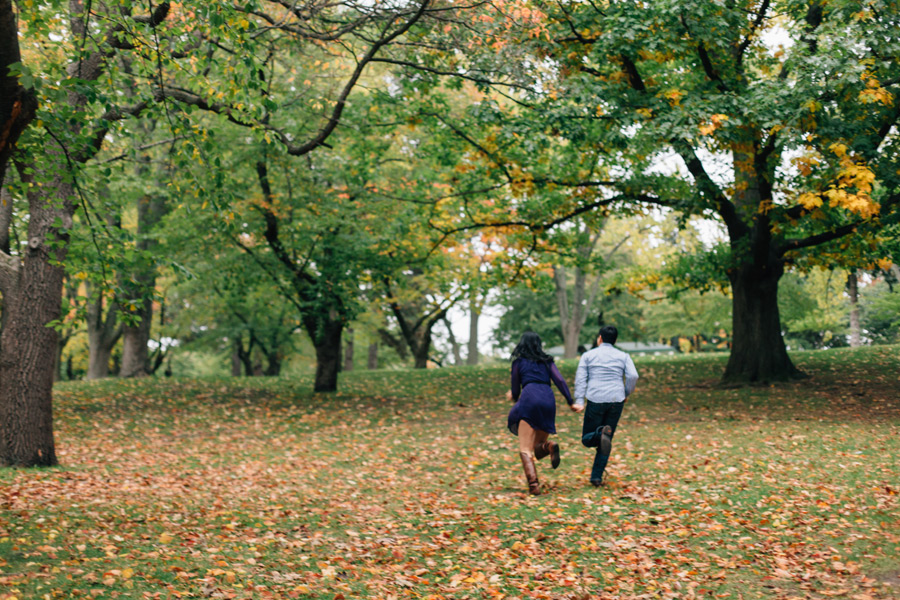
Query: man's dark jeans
column 596, row 415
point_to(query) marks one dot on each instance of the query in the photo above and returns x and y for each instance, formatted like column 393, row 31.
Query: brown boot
column 534, row 487
column 548, row 448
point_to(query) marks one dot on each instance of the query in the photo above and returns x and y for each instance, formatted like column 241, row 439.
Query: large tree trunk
column 758, row 353
column 853, row 292
column 326, row 335
column 32, row 293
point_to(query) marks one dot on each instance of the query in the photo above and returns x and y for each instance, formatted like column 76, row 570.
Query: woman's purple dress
column 535, row 402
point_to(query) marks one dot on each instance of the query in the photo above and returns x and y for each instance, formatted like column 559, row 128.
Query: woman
column 533, row 417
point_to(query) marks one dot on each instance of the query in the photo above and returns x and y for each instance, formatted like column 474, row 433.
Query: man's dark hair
column 609, row 333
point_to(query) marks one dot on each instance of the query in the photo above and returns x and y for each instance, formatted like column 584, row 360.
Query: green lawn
column 407, row 485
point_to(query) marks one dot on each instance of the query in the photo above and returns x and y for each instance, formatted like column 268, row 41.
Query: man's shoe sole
column 606, row 440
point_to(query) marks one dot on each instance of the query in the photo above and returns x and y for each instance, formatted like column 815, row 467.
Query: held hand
column 577, row 408
column 509, row 395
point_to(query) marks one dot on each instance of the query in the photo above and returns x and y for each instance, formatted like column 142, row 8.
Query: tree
column 805, row 131
column 75, row 120
column 281, row 45
column 417, row 305
column 689, row 108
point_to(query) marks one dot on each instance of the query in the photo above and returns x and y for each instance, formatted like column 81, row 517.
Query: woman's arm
column 514, row 384
column 557, row 378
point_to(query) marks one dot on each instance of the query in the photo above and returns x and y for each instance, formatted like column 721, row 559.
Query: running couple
column 605, row 377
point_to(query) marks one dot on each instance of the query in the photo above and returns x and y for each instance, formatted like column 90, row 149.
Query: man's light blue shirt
column 605, row 374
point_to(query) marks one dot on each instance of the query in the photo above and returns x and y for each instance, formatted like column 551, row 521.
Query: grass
column 407, row 485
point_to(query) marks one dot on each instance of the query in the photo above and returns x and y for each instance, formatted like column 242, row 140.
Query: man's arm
column 631, row 376
column 581, row 379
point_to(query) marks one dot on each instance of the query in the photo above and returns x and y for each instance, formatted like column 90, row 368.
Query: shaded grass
column 406, row 484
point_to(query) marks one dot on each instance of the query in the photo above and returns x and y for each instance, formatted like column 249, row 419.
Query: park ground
column 406, row 484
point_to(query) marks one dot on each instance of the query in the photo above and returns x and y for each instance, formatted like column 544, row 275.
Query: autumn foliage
column 405, row 485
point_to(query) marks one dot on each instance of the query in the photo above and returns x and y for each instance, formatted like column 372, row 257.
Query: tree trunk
column 245, row 356
column 135, row 339
column 326, row 338
column 420, row 354
column 571, row 315
column 135, row 353
column 454, row 344
column 472, row 348
column 235, row 359
column 372, row 362
column 348, row 350
column 273, row 364
column 32, row 295
column 853, row 291
column 103, row 334
column 758, row 353
column 420, row 340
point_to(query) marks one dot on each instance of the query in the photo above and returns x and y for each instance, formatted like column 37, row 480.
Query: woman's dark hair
column 530, row 347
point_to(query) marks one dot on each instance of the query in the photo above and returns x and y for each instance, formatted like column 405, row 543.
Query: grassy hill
column 406, row 484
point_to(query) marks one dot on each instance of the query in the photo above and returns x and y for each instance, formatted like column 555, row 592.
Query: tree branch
column 757, row 23
column 334, row 119
column 816, row 240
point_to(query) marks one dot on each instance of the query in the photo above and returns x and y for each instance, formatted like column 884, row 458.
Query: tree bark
column 853, row 291
column 28, row 346
column 475, row 307
column 274, row 356
column 454, row 344
column 571, row 315
column 326, row 335
column 136, row 337
column 758, row 353
column 32, row 297
column 245, row 356
column 235, row 359
column 104, row 332
column 348, row 350
column 18, row 105
column 372, row 361
column 421, row 350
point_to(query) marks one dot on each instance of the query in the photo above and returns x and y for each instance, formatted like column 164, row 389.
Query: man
column 605, row 377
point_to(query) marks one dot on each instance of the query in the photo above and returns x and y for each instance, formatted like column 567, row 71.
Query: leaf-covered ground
column 407, row 485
